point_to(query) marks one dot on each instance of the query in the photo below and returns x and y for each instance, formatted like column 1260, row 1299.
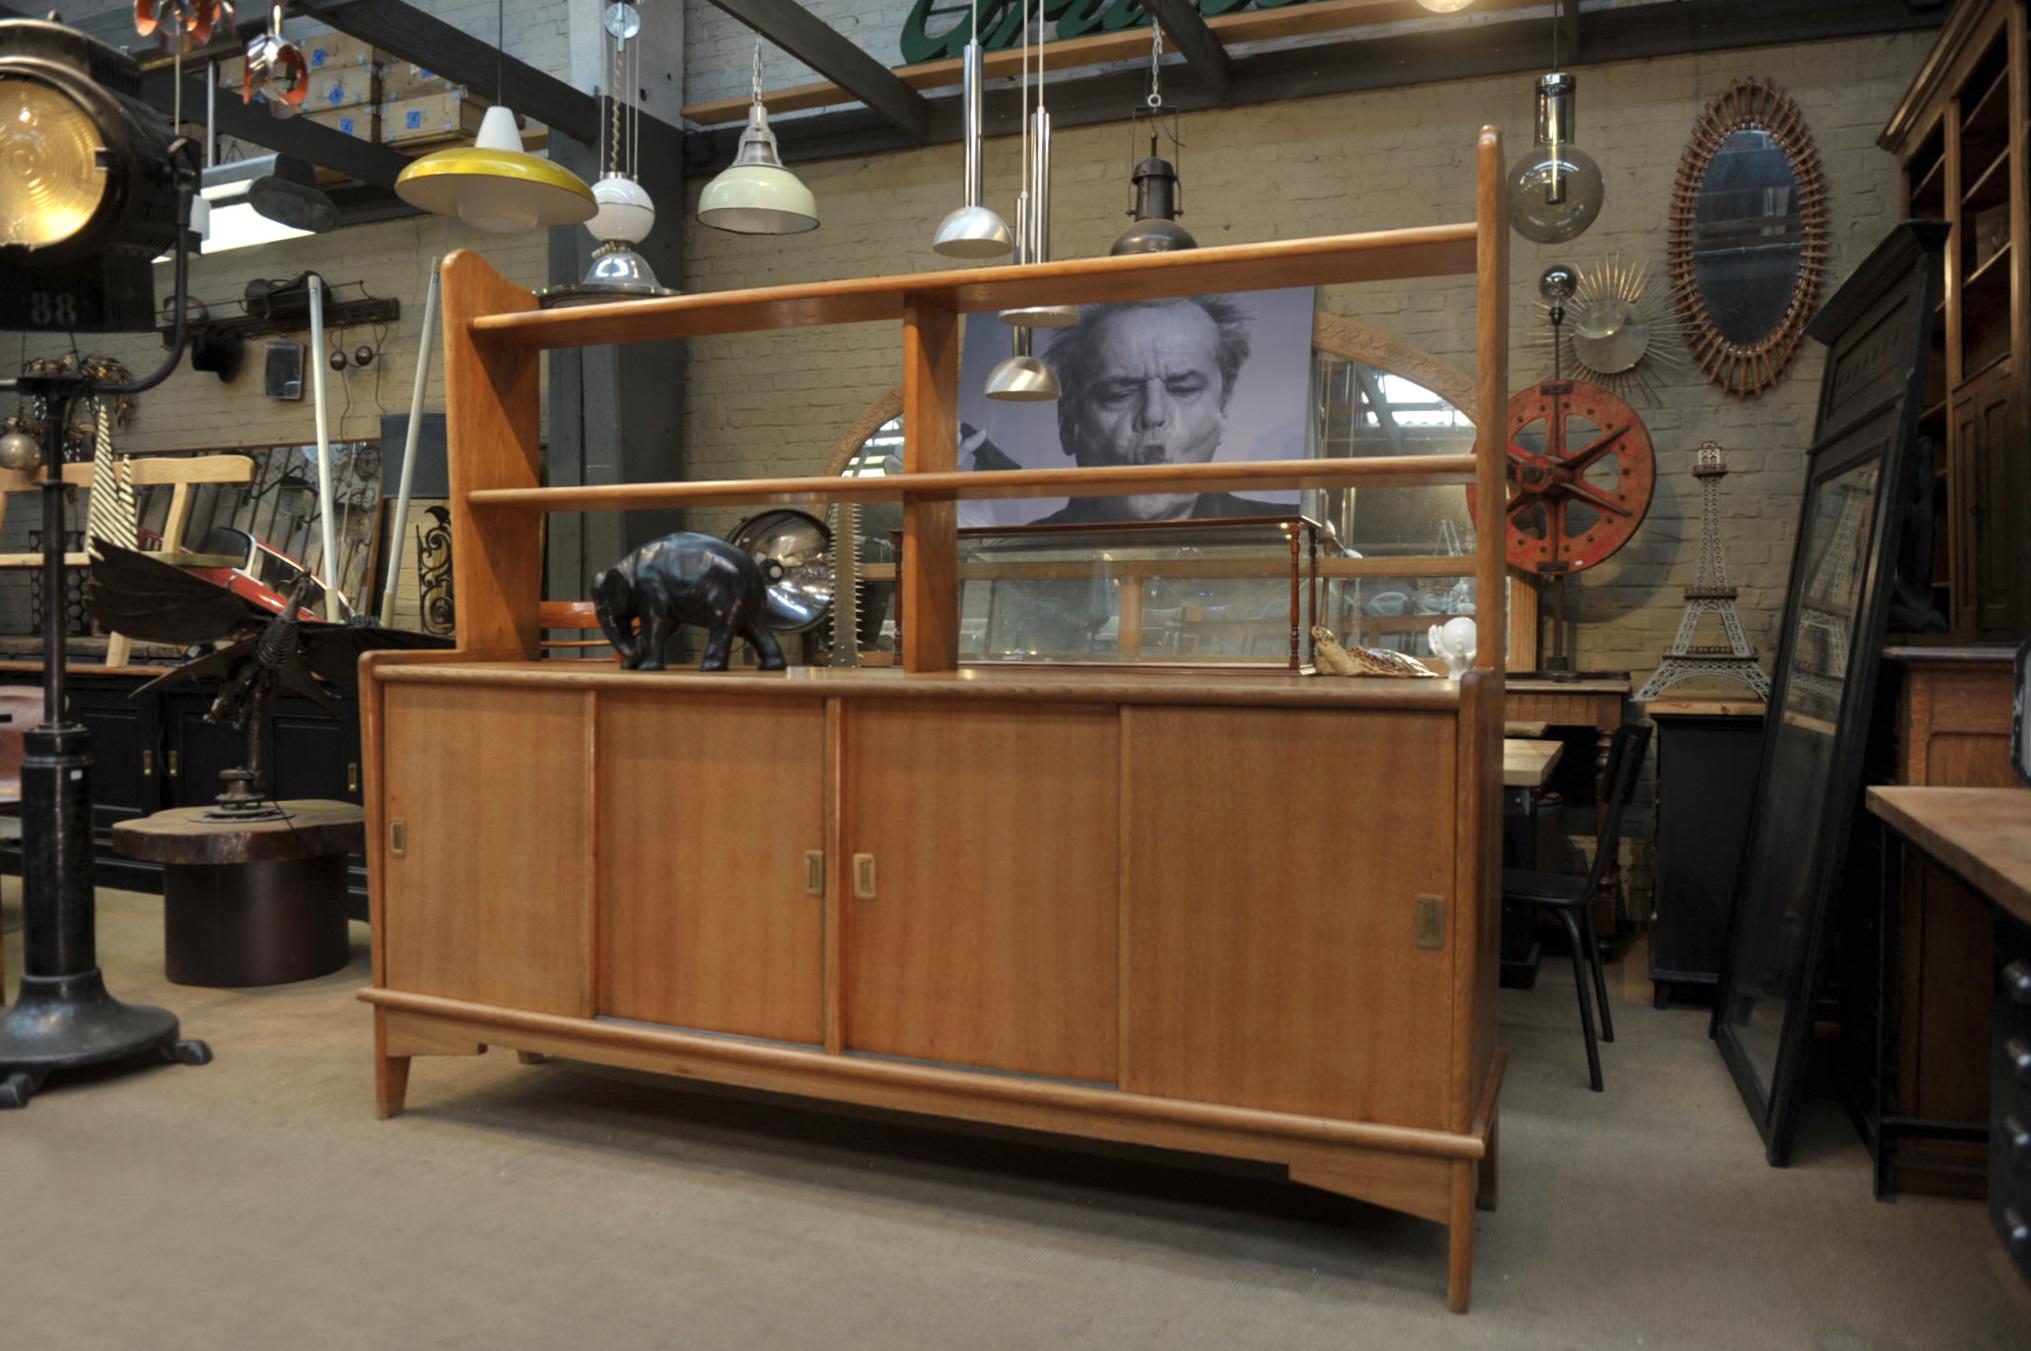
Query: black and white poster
column 1188, row 381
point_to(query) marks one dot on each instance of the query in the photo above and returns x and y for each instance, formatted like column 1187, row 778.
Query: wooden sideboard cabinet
column 1108, row 890
column 1251, row 915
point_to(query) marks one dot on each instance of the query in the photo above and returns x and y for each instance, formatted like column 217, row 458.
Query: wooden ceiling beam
column 1520, row 44
column 1189, row 33
column 1263, row 25
column 856, row 75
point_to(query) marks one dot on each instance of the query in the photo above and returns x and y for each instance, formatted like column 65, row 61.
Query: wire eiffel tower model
column 1708, row 594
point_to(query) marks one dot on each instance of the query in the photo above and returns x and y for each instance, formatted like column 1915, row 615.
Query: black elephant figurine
column 685, row 578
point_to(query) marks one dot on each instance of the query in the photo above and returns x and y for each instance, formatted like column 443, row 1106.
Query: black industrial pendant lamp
column 96, row 185
column 1158, row 198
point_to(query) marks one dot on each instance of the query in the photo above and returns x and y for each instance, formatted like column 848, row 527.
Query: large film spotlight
column 93, row 185
column 88, row 195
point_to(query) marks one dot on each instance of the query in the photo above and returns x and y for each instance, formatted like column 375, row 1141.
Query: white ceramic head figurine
column 1454, row 640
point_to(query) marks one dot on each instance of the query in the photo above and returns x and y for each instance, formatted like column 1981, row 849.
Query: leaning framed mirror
column 1878, row 331
column 1748, row 236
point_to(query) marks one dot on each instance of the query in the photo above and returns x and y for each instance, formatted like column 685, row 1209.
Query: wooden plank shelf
column 1200, row 686
column 1390, row 471
column 1382, row 255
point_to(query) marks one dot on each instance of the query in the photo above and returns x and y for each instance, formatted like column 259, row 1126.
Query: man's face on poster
column 1152, row 395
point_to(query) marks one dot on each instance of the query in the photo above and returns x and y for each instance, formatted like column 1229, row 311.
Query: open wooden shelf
column 1391, row 471
column 1382, row 255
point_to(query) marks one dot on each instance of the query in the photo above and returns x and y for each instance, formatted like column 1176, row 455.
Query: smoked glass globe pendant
column 1555, row 187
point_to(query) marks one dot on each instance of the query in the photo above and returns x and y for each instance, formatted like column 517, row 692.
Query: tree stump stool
column 250, row 902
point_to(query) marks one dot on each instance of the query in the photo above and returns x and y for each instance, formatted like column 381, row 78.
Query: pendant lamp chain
column 1156, row 66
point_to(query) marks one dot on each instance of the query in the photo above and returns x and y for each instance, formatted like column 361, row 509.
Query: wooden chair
column 183, row 473
column 1572, row 898
column 24, row 705
column 576, row 615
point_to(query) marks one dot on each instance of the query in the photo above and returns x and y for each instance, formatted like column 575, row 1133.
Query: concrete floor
column 256, row 1202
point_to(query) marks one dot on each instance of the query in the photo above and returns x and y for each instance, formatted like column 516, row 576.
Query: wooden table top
column 1705, row 708
column 1527, row 764
column 315, row 827
column 1527, row 730
column 1983, row 834
column 1587, row 685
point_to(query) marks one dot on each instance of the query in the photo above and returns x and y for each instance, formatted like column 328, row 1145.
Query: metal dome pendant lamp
column 494, row 185
column 756, row 195
column 973, row 230
column 1036, row 222
column 1022, row 376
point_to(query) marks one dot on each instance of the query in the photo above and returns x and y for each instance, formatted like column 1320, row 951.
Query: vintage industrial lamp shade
column 626, row 215
column 1555, row 187
column 756, row 195
column 1156, row 228
column 496, row 186
column 87, row 194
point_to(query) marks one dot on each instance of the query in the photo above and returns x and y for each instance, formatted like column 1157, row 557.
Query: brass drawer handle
column 2017, row 981
column 2017, row 1141
column 2017, row 1052
column 814, row 872
column 398, row 838
column 172, row 764
column 1431, row 922
column 2016, row 1233
column 352, row 776
column 147, row 764
column 863, row 876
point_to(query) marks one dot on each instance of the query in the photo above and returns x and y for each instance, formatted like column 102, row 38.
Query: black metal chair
column 1572, row 898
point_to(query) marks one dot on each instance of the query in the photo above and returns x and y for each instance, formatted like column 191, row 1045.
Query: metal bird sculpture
column 263, row 652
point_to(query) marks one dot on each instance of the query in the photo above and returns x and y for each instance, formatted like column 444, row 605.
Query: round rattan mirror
column 1748, row 236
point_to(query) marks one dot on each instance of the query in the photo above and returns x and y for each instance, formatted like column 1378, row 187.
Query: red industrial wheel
column 1581, row 470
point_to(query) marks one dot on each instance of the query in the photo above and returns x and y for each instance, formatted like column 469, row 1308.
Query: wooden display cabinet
column 1245, row 914
column 1962, row 135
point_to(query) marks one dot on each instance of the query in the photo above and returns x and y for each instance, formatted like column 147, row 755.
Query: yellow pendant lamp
column 494, row 185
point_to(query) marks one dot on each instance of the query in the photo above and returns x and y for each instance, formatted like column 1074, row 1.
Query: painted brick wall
column 196, row 411
column 775, row 404
column 719, row 49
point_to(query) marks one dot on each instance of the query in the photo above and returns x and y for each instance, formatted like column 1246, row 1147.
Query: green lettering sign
column 1001, row 22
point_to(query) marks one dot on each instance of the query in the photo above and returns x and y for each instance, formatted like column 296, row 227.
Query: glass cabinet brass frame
column 1300, row 534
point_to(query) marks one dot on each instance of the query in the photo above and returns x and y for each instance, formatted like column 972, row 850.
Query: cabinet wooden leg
column 1486, row 1197
column 391, row 1072
column 391, row 1084
column 1460, row 1253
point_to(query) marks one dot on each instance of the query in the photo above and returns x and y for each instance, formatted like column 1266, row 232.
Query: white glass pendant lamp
column 626, row 212
column 756, row 195
column 494, row 185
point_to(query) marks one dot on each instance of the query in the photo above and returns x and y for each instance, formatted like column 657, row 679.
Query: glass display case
column 1237, row 592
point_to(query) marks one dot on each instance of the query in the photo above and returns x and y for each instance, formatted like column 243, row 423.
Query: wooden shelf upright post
column 930, row 570
column 496, row 554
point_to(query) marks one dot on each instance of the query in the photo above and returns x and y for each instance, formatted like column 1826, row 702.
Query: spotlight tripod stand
column 64, row 1018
